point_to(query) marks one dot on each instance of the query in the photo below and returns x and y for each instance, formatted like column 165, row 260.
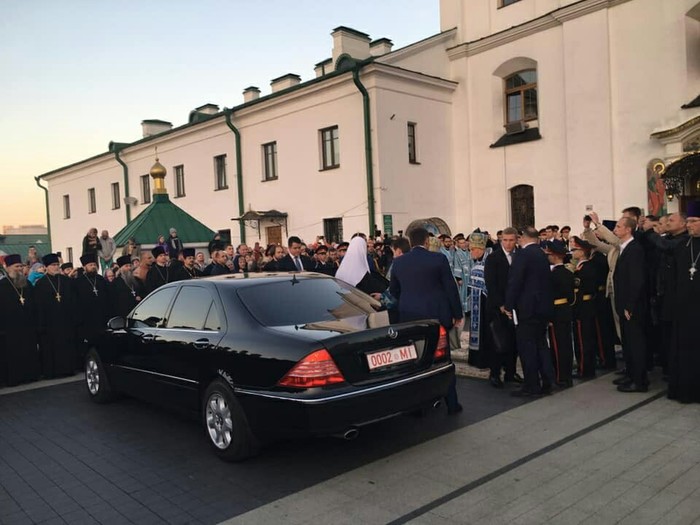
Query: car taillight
column 316, row 369
column 442, row 346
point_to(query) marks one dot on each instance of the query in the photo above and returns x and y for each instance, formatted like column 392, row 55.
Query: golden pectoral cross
column 21, row 300
column 58, row 297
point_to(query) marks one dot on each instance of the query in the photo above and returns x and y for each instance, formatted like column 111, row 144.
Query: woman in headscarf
column 163, row 244
column 354, row 269
column 36, row 272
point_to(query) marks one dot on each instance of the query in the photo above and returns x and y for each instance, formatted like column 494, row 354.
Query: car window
column 151, row 311
column 212, row 322
column 302, row 301
column 191, row 307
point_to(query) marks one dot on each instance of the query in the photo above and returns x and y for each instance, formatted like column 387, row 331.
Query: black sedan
column 270, row 355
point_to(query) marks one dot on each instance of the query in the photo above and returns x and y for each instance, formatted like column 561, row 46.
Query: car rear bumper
column 286, row 414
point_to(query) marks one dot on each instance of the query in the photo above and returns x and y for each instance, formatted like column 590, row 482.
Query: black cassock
column 684, row 358
column 92, row 310
column 123, row 297
column 19, row 355
column 56, row 316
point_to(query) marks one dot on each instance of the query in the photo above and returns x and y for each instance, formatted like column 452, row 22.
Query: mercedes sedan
column 265, row 356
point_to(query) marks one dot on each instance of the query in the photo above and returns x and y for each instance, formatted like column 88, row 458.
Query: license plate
column 384, row 358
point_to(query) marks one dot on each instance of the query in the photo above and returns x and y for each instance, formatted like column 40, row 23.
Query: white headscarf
column 354, row 265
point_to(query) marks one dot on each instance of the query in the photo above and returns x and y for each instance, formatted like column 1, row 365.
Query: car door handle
column 201, row 344
column 148, row 338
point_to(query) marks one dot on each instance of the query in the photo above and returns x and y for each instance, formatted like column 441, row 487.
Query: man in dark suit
column 422, row 283
column 294, row 261
column 629, row 280
column 496, row 270
column 529, row 302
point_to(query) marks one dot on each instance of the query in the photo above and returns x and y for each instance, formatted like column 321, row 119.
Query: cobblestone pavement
column 64, row 459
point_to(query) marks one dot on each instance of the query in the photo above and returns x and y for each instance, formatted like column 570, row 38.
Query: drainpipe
column 117, row 150
column 368, row 147
column 239, row 170
column 46, row 199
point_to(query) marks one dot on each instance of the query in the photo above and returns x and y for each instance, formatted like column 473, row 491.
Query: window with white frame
column 92, row 201
column 269, row 152
column 145, row 189
column 116, row 199
column 330, row 148
column 66, row 206
column 220, row 183
column 179, row 181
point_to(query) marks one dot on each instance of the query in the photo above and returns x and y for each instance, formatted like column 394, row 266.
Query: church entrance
column 522, row 206
column 274, row 234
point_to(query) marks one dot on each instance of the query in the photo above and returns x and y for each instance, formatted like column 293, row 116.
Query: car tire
column 96, row 380
column 226, row 425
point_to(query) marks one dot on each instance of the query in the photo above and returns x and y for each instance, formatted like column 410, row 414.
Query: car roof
column 240, row 280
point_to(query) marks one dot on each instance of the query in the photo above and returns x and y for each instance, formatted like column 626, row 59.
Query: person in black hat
column 68, row 270
column 684, row 357
column 585, row 288
column 19, row 357
column 560, row 325
column 93, row 305
column 159, row 273
column 56, row 316
column 322, row 264
column 188, row 264
column 124, row 291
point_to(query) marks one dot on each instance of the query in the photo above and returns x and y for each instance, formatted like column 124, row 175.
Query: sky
column 77, row 74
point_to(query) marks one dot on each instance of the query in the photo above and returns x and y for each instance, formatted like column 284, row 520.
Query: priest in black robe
column 56, row 317
column 189, row 265
column 93, row 305
column 125, row 289
column 159, row 273
column 19, row 354
column 684, row 358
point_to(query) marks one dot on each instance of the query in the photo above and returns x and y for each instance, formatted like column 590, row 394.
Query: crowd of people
column 558, row 302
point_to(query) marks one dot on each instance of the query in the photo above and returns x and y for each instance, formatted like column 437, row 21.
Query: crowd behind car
column 596, row 308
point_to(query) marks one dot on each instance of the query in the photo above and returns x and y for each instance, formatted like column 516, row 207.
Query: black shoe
column 454, row 410
column 567, row 383
column 586, row 377
column 496, row 382
column 631, row 387
column 624, row 380
column 546, row 390
column 516, row 378
column 621, row 372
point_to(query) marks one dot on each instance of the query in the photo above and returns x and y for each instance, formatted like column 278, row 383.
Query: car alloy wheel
column 92, row 376
column 219, row 422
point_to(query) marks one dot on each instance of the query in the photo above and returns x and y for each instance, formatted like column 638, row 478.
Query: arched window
column 522, row 206
column 520, row 90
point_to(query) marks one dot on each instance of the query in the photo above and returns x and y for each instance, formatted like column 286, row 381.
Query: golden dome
column 158, row 171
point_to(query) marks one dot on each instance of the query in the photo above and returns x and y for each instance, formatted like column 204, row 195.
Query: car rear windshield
column 302, row 301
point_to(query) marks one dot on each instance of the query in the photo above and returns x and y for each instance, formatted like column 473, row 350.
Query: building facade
column 516, row 112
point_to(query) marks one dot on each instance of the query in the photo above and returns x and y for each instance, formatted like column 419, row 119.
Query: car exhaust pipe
column 437, row 404
column 350, row 434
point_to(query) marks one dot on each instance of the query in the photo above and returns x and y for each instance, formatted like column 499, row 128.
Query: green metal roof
column 158, row 218
column 20, row 244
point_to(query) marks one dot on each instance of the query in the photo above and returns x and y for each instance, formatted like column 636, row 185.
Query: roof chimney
column 324, row 67
column 208, row 109
column 284, row 82
column 251, row 93
column 347, row 41
column 154, row 127
column 380, row 47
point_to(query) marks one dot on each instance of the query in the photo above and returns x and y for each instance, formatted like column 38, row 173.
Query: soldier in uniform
column 124, row 290
column 19, row 356
column 605, row 323
column 55, row 300
column 560, row 325
column 93, row 308
column 585, row 288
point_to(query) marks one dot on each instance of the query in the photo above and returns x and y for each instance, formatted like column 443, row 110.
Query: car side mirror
column 117, row 323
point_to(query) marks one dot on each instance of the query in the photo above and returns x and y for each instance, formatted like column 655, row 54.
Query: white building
column 517, row 111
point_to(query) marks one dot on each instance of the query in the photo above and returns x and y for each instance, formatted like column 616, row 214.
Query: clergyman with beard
column 92, row 302
column 55, row 300
column 124, row 290
column 19, row 355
